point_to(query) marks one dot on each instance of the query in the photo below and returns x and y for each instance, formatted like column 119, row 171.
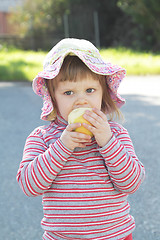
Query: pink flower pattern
column 90, row 56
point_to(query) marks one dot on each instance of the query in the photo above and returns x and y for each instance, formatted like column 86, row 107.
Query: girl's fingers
column 80, row 137
column 95, row 118
column 71, row 127
column 72, row 139
column 89, row 127
column 77, row 136
column 100, row 114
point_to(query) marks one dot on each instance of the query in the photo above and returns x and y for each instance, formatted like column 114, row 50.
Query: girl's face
column 69, row 95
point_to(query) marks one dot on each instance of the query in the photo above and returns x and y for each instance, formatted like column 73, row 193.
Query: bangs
column 73, row 69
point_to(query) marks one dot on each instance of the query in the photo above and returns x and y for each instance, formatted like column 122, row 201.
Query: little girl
column 84, row 180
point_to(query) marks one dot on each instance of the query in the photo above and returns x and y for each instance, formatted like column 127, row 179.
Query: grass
column 19, row 65
column 136, row 63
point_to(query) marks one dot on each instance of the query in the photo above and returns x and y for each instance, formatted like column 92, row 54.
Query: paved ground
column 19, row 115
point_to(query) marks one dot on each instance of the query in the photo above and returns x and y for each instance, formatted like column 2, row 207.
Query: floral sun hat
column 90, row 55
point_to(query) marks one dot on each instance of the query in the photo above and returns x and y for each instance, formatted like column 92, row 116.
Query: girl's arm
column 125, row 170
column 40, row 165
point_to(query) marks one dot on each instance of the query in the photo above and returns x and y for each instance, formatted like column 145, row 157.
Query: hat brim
column 114, row 75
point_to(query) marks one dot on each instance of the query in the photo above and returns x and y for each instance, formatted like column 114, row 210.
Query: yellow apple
column 76, row 116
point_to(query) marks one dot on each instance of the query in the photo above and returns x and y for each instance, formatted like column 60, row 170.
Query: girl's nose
column 81, row 101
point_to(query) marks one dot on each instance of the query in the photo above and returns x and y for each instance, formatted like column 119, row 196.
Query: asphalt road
column 20, row 109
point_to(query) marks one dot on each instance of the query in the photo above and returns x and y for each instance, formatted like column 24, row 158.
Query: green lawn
column 136, row 63
column 19, row 65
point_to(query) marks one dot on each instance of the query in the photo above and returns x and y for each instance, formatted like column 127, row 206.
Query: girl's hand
column 100, row 126
column 73, row 139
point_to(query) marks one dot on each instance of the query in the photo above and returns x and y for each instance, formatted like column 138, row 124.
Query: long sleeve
column 40, row 164
column 124, row 168
column 85, row 191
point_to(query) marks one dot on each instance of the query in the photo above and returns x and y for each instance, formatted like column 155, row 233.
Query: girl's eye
column 90, row 90
column 68, row 93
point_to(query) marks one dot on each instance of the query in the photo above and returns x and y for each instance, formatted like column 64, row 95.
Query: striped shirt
column 84, row 191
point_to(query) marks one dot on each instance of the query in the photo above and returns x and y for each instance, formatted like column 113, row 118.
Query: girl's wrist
column 105, row 141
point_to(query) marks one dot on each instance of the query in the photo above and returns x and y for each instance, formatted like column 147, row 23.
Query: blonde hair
column 73, row 69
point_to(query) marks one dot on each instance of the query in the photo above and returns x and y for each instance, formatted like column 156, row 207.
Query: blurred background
column 40, row 24
column 127, row 33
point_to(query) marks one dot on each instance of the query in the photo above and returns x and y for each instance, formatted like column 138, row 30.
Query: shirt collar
column 61, row 121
